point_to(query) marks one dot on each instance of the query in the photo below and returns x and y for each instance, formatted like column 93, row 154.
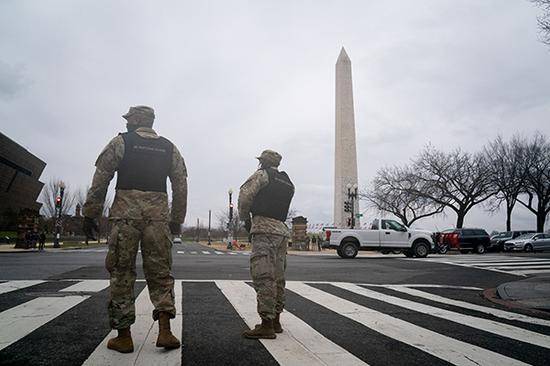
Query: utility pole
column 209, row 226
column 198, row 230
column 58, row 211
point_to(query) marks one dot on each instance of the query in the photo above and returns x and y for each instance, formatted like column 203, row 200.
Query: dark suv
column 497, row 240
column 466, row 240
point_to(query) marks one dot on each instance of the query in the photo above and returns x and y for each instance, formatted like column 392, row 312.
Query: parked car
column 383, row 235
column 529, row 242
column 177, row 240
column 498, row 240
column 466, row 240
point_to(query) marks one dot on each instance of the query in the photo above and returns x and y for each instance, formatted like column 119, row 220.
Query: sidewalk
column 9, row 248
column 532, row 292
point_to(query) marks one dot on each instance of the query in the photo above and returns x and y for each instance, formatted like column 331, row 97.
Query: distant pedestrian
column 42, row 241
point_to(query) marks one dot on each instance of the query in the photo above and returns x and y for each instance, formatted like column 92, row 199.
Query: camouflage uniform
column 138, row 216
column 269, row 245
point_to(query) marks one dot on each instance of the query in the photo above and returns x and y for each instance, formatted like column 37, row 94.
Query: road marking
column 17, row 322
column 466, row 305
column 140, row 330
column 521, row 267
column 512, row 264
column 232, row 253
column 219, row 252
column 299, row 344
column 180, row 252
column 88, row 285
column 486, row 325
column 16, row 285
column 441, row 346
column 150, row 354
column 193, row 252
column 534, row 271
column 206, row 252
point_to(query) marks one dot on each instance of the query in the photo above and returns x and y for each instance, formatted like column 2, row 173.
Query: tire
column 421, row 249
column 443, row 249
column 464, row 251
column 349, row 250
column 480, row 249
column 385, row 251
column 408, row 253
column 528, row 248
column 339, row 253
column 396, row 251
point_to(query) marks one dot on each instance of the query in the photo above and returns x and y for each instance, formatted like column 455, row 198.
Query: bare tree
column 536, row 197
column 544, row 20
column 457, row 180
column 506, row 164
column 48, row 195
column 395, row 190
column 235, row 224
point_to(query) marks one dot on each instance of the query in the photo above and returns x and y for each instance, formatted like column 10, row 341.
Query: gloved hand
column 89, row 226
column 175, row 228
column 248, row 225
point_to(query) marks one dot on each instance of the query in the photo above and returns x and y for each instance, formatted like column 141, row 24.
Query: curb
column 491, row 294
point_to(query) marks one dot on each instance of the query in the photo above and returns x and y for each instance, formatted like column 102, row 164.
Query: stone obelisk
column 345, row 163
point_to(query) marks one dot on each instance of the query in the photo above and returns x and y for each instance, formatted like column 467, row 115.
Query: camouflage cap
column 140, row 113
column 270, row 157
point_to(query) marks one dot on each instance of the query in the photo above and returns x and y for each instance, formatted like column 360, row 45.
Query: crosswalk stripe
column 511, row 264
column 466, row 305
column 532, row 271
column 16, row 285
column 88, row 286
column 486, row 325
column 193, row 252
column 441, row 346
column 232, row 253
column 150, row 354
column 181, row 252
column 520, row 267
column 17, row 322
column 219, row 252
column 206, row 252
column 140, row 329
column 299, row 344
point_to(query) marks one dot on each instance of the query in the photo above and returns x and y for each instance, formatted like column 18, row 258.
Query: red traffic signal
column 58, row 201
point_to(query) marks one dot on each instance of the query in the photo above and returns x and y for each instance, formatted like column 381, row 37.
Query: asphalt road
column 374, row 309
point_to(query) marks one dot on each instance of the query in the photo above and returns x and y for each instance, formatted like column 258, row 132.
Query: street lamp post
column 352, row 196
column 58, row 212
column 209, row 226
column 230, row 223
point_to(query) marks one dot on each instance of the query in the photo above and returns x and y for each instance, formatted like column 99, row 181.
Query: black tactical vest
column 274, row 199
column 146, row 163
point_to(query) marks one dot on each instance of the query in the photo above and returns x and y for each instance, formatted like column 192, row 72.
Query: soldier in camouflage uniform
column 266, row 196
column 139, row 214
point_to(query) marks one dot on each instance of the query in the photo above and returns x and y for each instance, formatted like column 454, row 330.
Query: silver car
column 529, row 242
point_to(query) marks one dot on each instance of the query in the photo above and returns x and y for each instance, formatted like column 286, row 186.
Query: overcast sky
column 228, row 79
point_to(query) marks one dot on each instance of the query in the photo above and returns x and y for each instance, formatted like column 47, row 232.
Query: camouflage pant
column 267, row 268
column 156, row 246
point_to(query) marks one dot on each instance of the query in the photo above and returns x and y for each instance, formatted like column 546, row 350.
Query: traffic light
column 347, row 206
column 58, row 201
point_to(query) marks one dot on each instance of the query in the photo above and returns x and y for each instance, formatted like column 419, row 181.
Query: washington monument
column 345, row 163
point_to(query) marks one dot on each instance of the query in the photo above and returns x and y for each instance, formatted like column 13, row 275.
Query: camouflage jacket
column 134, row 204
column 260, row 224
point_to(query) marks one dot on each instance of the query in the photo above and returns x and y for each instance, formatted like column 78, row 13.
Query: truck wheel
column 339, row 252
column 408, row 253
column 385, row 251
column 349, row 250
column 480, row 249
column 396, row 251
column 421, row 249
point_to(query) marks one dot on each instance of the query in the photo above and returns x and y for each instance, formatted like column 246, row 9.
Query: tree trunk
column 509, row 218
column 460, row 219
column 541, row 218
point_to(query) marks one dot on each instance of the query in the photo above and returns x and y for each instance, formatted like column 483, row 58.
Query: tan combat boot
column 166, row 339
column 123, row 342
column 264, row 331
column 277, row 324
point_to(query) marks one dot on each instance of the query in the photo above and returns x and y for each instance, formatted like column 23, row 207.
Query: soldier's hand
column 175, row 228
column 89, row 226
column 248, row 225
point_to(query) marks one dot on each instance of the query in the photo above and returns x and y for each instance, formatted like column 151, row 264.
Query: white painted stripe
column 441, row 346
column 206, row 252
column 17, row 322
column 232, row 253
column 466, row 305
column 511, row 264
column 299, row 344
column 530, row 271
column 218, row 252
column 88, row 285
column 503, row 260
column 193, row 252
column 16, row 285
column 511, row 268
column 140, row 329
column 246, row 253
column 149, row 353
column 486, row 325
column 180, row 252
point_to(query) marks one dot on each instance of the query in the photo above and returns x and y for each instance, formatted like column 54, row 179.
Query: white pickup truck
column 383, row 235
